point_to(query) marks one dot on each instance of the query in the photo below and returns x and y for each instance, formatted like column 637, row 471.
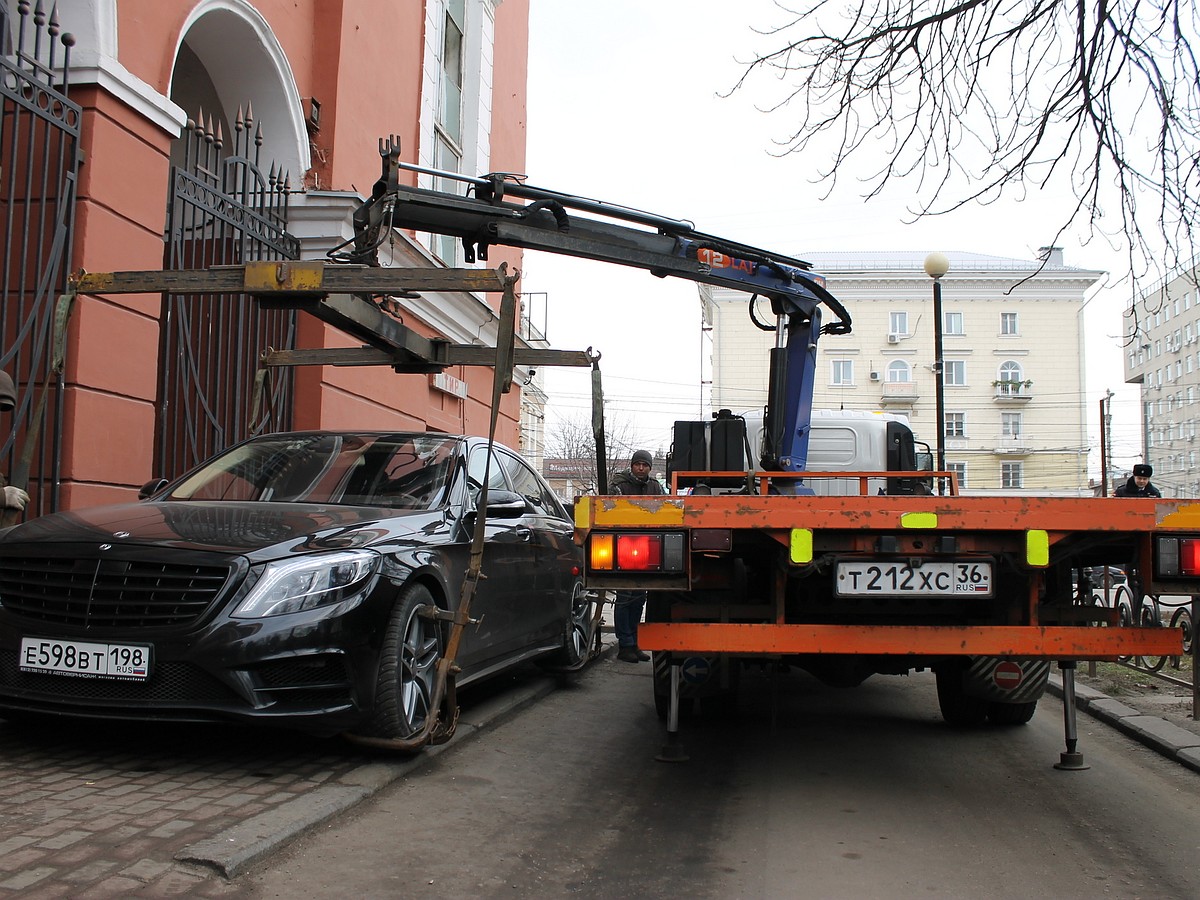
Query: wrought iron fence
column 223, row 210
column 39, row 164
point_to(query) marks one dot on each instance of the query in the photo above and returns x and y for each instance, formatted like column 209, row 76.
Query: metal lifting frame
column 570, row 225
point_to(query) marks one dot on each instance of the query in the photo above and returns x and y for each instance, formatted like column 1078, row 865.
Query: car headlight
column 294, row 585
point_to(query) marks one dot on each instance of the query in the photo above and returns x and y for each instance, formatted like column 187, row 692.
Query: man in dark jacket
column 1139, row 484
column 634, row 481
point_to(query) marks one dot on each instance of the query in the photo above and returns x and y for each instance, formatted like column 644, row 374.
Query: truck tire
column 959, row 710
column 1011, row 713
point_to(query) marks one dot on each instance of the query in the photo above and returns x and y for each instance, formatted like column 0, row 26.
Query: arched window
column 898, row 370
column 1012, row 379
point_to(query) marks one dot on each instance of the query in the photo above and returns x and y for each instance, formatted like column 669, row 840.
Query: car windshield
column 405, row 471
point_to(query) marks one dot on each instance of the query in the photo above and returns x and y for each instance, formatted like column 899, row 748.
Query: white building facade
column 1162, row 354
column 1013, row 347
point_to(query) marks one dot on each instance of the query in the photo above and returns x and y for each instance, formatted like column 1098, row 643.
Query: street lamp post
column 937, row 265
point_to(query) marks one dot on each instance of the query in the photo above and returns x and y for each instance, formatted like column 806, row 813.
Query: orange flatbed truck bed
column 850, row 586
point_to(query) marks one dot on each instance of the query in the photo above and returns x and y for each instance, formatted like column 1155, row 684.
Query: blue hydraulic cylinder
column 789, row 403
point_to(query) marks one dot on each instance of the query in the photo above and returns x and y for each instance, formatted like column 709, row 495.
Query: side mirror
column 505, row 505
column 152, row 487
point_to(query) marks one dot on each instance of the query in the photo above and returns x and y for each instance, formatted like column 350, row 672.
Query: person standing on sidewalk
column 635, row 482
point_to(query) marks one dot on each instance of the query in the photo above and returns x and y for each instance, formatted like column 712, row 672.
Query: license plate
column 86, row 659
column 930, row 579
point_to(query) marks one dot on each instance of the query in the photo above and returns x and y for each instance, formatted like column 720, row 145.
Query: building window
column 448, row 132
column 898, row 371
column 1011, row 474
column 955, row 372
column 841, row 371
column 898, row 324
column 959, row 470
column 1008, row 323
column 1011, row 379
column 1010, row 425
column 953, row 323
column 956, row 424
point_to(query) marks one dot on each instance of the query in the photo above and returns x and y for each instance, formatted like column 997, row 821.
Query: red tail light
column 1189, row 556
column 639, row 552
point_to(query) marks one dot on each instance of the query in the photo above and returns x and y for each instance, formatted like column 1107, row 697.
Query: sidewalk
column 1163, row 721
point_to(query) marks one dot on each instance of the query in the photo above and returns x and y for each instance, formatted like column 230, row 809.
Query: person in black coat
column 1139, row 484
column 635, row 481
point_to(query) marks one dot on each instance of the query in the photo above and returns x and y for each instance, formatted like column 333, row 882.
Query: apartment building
column 1013, row 350
column 1162, row 355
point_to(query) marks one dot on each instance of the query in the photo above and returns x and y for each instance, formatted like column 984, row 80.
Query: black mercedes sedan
column 302, row 579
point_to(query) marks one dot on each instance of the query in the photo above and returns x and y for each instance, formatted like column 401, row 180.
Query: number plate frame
column 896, row 578
column 86, row 659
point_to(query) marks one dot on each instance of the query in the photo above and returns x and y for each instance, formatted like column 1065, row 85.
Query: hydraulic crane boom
column 561, row 223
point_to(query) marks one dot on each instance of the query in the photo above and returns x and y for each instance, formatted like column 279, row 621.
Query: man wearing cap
column 14, row 497
column 1139, row 484
column 634, row 481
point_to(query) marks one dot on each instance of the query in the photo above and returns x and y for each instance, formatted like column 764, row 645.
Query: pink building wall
column 363, row 61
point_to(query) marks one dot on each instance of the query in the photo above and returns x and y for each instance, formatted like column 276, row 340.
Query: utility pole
column 1105, row 440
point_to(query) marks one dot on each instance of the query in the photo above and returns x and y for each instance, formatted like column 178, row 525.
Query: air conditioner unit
column 874, row 376
column 893, row 338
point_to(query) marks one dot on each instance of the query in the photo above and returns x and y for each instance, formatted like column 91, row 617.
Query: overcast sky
column 626, row 105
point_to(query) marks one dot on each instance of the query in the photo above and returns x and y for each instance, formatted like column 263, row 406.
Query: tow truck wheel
column 1011, row 713
column 958, row 709
column 412, row 646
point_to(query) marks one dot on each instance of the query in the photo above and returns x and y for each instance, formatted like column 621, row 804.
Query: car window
column 475, row 475
column 526, row 482
column 407, row 471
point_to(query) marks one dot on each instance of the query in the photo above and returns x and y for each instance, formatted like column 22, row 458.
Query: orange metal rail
column 1049, row 642
column 1051, row 514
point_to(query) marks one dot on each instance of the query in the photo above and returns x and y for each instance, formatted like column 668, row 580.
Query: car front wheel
column 412, row 645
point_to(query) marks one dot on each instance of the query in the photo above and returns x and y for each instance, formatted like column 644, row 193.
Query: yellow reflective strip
column 642, row 511
column 1037, row 547
column 582, row 506
column 801, row 545
column 919, row 520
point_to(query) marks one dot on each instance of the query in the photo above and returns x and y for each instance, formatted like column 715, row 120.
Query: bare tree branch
column 978, row 99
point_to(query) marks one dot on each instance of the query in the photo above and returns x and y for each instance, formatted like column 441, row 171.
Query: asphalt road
column 819, row 793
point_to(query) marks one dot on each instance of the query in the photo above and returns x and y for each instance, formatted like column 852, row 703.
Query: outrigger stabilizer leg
column 1071, row 760
column 672, row 750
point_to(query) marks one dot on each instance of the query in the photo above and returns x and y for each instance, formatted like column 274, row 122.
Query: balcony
column 1012, row 392
column 1011, row 445
column 899, row 393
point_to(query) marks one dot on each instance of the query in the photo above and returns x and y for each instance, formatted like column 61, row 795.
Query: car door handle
column 523, row 533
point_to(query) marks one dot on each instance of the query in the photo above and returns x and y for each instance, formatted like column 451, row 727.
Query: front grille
column 102, row 592
column 168, row 683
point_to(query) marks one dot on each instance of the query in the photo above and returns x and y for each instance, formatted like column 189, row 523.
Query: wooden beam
column 283, row 278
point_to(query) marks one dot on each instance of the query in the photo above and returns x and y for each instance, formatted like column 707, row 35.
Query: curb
column 236, row 849
column 1158, row 734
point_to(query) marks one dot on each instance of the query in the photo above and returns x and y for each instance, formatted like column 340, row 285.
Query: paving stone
column 93, row 871
column 146, row 869
column 27, row 877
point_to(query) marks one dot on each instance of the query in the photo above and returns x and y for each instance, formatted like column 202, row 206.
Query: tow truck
column 747, row 560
